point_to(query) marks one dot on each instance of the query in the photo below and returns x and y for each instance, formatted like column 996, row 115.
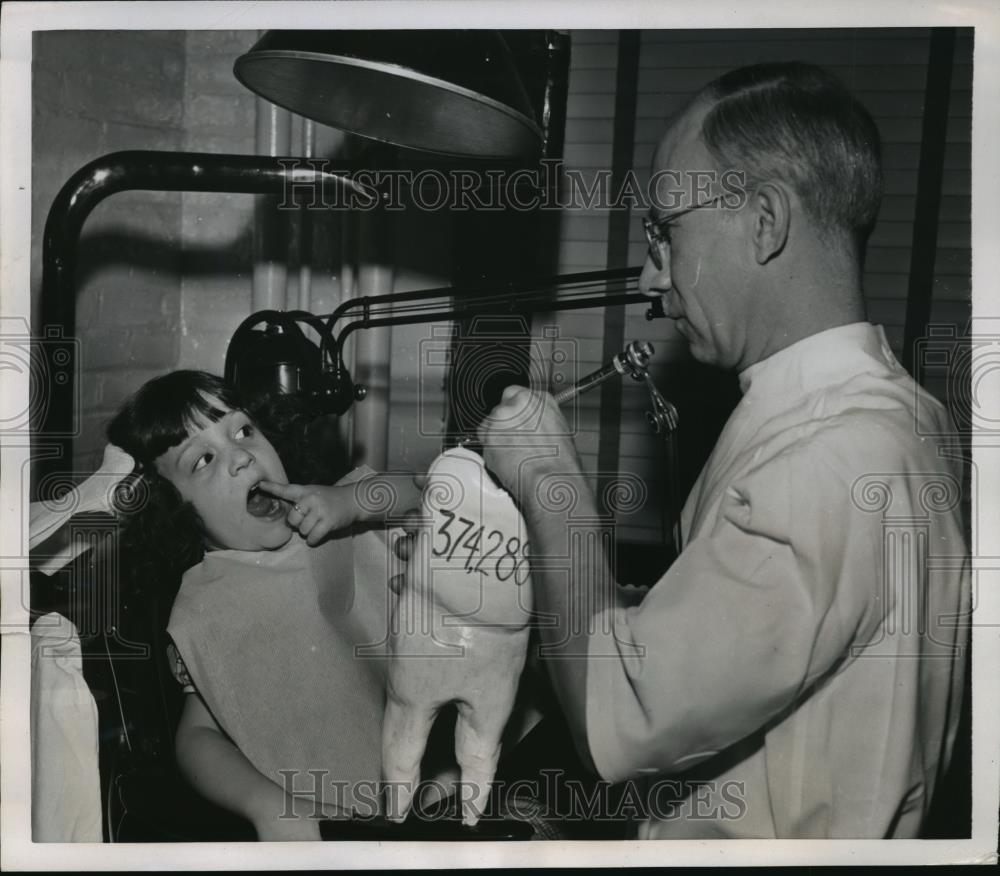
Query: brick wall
column 94, row 93
column 165, row 278
column 217, row 229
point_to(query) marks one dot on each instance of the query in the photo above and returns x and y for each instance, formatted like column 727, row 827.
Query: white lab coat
column 802, row 660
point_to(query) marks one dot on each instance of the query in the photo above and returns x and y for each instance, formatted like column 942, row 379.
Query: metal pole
column 270, row 232
column 85, row 189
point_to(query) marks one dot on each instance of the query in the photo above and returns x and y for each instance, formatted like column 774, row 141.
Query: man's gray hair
column 798, row 123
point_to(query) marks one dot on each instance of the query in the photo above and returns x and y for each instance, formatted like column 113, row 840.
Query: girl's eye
column 244, row 431
column 202, row 461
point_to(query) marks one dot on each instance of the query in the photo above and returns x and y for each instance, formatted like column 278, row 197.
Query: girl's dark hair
column 163, row 535
column 306, row 440
column 163, row 412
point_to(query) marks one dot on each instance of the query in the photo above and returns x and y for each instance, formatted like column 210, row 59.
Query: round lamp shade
column 449, row 92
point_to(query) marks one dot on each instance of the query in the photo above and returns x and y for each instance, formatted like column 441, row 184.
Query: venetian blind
column 885, row 68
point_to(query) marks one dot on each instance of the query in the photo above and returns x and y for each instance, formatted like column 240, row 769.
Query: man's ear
column 771, row 215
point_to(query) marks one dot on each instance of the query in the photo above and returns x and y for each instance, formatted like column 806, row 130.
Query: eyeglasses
column 659, row 243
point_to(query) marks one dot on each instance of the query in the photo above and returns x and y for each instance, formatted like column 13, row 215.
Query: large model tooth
column 460, row 630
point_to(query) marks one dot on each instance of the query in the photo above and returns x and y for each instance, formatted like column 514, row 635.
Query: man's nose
column 654, row 281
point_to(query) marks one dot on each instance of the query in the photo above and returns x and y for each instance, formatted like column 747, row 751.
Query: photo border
column 21, row 20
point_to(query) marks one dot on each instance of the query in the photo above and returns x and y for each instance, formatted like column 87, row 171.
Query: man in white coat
column 800, row 666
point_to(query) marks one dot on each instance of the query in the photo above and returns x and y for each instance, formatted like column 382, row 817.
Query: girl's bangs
column 167, row 410
column 202, row 411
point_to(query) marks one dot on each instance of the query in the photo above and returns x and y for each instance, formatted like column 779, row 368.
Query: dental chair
column 144, row 796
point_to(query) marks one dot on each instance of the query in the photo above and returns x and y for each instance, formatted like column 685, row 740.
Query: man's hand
column 404, row 544
column 525, row 442
column 526, row 436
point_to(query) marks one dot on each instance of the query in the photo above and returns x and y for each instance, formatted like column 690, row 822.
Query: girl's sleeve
column 179, row 670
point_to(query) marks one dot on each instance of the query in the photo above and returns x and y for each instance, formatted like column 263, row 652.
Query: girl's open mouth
column 263, row 506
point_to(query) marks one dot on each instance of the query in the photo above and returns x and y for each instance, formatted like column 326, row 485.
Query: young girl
column 277, row 645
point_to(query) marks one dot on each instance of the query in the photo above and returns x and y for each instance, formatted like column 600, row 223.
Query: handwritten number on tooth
column 471, row 538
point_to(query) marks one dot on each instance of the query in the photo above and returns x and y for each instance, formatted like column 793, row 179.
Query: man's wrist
column 558, row 461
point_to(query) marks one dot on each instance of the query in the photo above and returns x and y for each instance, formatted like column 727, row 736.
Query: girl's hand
column 316, row 510
column 293, row 829
column 319, row 510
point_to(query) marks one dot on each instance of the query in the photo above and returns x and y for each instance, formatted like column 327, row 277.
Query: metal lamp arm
column 131, row 170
